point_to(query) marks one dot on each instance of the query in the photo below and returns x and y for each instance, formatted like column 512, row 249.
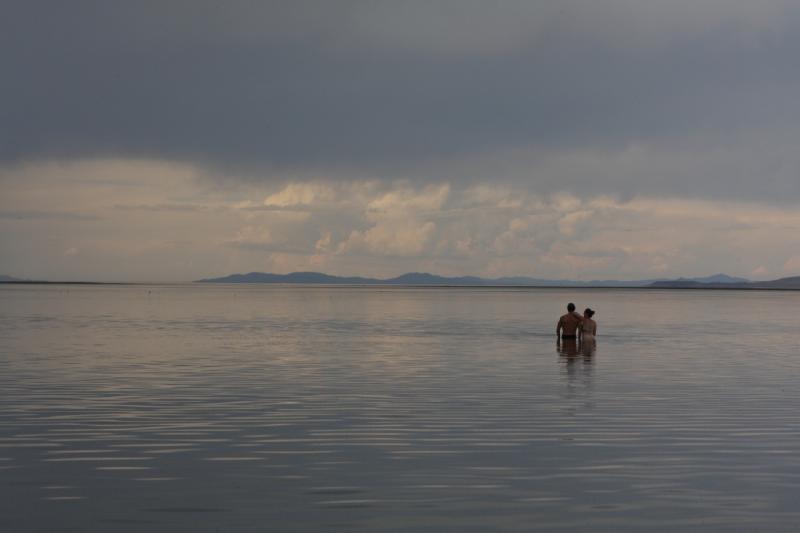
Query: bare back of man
column 567, row 327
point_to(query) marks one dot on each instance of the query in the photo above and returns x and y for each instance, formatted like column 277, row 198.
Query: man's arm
column 559, row 326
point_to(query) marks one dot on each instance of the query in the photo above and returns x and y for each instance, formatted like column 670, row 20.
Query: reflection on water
column 577, row 358
column 206, row 408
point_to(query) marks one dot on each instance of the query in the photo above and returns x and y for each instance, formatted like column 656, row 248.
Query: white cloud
column 324, row 243
column 301, row 194
column 390, row 238
column 399, row 221
column 406, row 199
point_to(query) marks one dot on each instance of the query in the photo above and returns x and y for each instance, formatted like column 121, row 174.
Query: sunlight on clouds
column 319, row 195
column 389, row 238
column 324, row 243
column 301, row 194
column 398, row 225
column 568, row 223
column 406, row 199
column 139, row 220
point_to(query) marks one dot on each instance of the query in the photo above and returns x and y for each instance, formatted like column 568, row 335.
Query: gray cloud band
column 552, row 97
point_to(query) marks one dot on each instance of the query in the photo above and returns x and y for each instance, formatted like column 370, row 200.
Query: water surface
column 272, row 408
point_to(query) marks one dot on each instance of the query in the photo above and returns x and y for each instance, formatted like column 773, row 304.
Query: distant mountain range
column 420, row 278
column 717, row 281
column 683, row 283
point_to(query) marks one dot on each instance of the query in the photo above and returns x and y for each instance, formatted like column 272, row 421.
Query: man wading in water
column 567, row 326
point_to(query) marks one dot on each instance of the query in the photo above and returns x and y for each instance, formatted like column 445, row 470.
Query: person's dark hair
column 588, row 312
column 570, row 307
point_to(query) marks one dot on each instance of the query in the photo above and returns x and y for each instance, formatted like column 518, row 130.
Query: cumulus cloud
column 390, row 238
column 300, row 194
column 170, row 222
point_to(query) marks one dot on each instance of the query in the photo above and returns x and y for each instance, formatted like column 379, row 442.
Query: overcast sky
column 593, row 139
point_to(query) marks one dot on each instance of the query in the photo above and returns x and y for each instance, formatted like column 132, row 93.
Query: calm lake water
column 205, row 408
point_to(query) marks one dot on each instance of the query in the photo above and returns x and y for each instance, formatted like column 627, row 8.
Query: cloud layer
column 580, row 138
column 147, row 220
column 617, row 96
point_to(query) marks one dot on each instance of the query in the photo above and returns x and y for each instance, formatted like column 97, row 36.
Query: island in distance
column 717, row 281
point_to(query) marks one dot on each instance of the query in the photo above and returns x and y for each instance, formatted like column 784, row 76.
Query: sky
column 583, row 139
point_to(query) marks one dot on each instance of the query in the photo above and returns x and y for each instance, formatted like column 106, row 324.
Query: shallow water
column 267, row 408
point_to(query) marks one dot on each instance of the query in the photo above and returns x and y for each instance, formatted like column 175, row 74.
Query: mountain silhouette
column 427, row 279
column 782, row 283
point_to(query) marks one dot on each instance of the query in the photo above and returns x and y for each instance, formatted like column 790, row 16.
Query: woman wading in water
column 586, row 332
column 588, row 327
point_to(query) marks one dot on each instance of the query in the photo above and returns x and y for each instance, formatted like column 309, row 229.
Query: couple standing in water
column 573, row 327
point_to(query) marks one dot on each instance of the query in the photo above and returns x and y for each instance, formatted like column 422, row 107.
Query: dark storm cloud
column 314, row 85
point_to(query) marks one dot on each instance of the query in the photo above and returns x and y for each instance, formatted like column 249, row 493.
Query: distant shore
column 714, row 287
column 424, row 279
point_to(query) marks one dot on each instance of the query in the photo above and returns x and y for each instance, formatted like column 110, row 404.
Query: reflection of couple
column 572, row 327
